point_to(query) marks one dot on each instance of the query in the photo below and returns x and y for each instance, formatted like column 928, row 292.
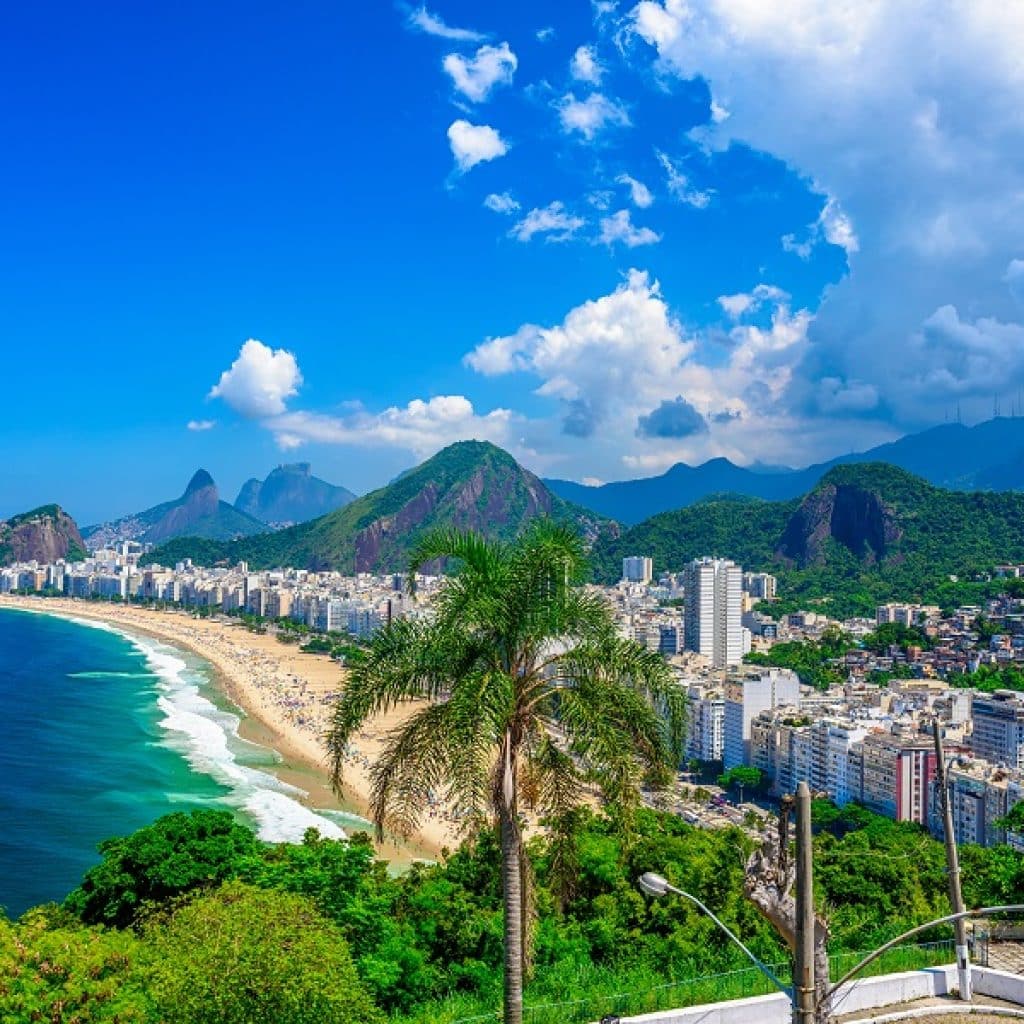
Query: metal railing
column 710, row 988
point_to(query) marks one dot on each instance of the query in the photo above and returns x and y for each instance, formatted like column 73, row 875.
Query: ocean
column 100, row 734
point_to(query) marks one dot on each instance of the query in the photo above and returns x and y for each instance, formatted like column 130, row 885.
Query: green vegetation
column 816, row 663
column 744, row 777
column 888, row 535
column 472, row 484
column 324, row 925
column 484, row 663
column 990, row 678
column 247, row 954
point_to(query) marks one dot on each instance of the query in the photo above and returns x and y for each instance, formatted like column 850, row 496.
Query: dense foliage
column 934, row 534
column 427, row 945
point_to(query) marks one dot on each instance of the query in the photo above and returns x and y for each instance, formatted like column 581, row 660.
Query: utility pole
column 956, row 899
column 803, row 976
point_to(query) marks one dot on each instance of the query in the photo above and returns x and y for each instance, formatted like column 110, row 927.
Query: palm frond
column 476, row 552
column 407, row 660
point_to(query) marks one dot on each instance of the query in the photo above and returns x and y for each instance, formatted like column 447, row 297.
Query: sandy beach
column 286, row 697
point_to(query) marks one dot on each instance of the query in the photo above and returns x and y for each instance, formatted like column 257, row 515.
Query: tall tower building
column 712, row 623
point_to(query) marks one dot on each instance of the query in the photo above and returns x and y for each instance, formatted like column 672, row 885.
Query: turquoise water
column 101, row 733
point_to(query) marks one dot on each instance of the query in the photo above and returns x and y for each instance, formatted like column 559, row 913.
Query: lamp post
column 658, row 885
column 956, row 899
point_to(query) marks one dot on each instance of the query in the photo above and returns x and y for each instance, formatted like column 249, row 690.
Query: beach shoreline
column 285, row 698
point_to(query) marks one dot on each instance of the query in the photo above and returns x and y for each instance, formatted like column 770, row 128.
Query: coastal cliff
column 46, row 534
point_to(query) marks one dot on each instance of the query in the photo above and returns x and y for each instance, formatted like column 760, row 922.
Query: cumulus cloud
column 639, row 193
column 545, row 34
column 832, row 225
column 259, row 381
column 673, row 418
column 907, row 119
column 620, row 228
column 473, row 144
column 591, row 116
column 421, row 427
column 608, row 366
column 679, row 186
column 476, row 76
column 585, row 67
column 422, row 20
column 1014, row 278
column 501, row 202
column 553, row 221
column 747, row 302
column 201, row 425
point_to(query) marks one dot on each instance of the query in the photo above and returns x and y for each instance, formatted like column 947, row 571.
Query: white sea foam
column 204, row 735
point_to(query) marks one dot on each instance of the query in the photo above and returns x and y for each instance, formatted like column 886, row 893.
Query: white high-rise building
column 637, row 569
column 745, row 699
column 712, row 621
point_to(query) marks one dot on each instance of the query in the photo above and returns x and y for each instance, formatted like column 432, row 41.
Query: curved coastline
column 283, row 697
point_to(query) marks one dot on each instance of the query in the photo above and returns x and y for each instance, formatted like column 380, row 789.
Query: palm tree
column 529, row 695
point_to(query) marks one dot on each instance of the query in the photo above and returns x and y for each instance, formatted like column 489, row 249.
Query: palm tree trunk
column 512, row 885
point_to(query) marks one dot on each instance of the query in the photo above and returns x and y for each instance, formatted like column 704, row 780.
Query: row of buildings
column 868, row 744
column 325, row 601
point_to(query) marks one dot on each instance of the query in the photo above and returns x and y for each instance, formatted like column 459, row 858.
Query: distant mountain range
column 199, row 512
column 45, row 534
column 988, row 456
column 290, row 494
column 470, row 485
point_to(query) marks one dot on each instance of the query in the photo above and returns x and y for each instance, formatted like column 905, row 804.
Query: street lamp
column 956, row 899
column 658, row 885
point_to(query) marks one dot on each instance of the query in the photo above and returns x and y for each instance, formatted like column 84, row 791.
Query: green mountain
column 471, row 485
column 45, row 534
column 290, row 494
column 199, row 512
column 865, row 533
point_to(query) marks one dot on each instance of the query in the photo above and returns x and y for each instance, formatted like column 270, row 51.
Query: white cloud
column 259, row 381
column 545, row 34
column 639, row 193
column 747, row 302
column 476, row 76
column 679, row 185
column 718, row 112
column 553, row 221
column 619, row 228
column 585, row 67
column 614, row 359
column 474, row 143
column 433, row 25
column 832, row 225
column 1014, row 278
column 591, row 116
column 421, row 427
column 200, row 425
column 501, row 202
column 906, row 118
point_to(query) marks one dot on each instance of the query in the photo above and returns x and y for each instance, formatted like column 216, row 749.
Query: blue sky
column 606, row 236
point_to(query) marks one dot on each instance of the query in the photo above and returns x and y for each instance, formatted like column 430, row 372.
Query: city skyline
column 597, row 239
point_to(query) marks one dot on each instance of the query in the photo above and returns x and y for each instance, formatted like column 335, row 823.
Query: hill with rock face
column 471, row 485
column 46, row 534
column 870, row 529
column 199, row 512
column 291, row 494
